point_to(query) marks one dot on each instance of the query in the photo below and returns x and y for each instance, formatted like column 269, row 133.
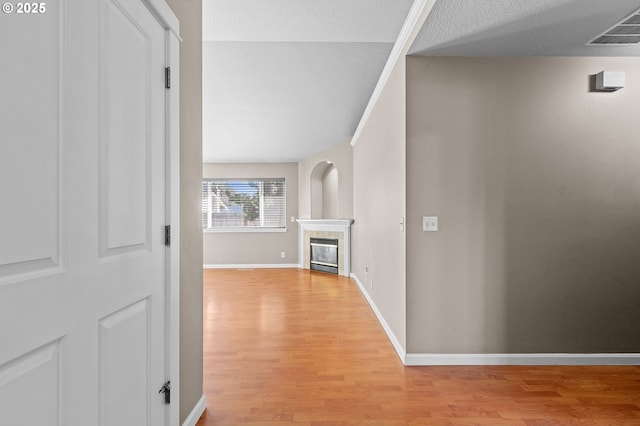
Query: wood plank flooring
column 294, row 347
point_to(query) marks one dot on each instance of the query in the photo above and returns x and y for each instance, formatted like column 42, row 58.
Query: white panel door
column 82, row 187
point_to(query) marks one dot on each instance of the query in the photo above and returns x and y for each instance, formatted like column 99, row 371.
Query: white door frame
column 170, row 22
column 173, row 212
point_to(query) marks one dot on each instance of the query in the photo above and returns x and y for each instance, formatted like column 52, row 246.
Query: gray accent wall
column 254, row 248
column 535, row 178
column 190, row 15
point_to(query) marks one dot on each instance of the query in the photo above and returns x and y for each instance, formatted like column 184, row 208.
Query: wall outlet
column 283, row 254
column 366, row 277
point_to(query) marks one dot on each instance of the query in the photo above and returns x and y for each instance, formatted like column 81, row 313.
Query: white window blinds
column 243, row 203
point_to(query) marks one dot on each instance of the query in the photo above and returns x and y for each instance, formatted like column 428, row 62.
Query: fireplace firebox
column 324, row 255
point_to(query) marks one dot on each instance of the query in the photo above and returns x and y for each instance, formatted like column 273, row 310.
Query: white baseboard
column 252, row 266
column 387, row 329
column 418, row 359
column 197, row 411
column 522, row 359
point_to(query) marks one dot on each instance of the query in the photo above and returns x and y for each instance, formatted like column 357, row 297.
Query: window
column 244, row 204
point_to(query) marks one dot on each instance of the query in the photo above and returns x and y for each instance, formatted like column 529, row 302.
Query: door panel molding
column 125, row 141
column 37, row 377
column 124, row 359
column 34, row 219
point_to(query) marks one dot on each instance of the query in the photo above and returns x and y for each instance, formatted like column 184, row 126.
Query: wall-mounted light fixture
column 609, row 81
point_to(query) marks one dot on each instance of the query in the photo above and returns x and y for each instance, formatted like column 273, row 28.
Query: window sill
column 243, row 230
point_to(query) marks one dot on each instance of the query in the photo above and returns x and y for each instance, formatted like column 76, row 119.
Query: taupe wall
column 255, row 248
column 379, row 204
column 536, row 182
column 189, row 12
column 341, row 155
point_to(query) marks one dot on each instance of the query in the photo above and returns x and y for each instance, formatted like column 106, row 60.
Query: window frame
column 244, row 229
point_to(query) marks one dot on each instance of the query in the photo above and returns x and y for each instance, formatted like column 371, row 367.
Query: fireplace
column 334, row 229
column 324, row 255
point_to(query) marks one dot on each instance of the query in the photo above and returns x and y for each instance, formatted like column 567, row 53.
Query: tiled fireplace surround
column 339, row 229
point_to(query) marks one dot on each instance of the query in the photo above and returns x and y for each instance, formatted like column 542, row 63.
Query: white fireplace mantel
column 340, row 226
column 324, row 223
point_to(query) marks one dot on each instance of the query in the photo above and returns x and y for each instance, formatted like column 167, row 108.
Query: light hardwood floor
column 294, row 347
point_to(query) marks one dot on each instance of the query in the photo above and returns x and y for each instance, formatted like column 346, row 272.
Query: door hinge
column 167, row 235
column 167, row 78
column 166, row 390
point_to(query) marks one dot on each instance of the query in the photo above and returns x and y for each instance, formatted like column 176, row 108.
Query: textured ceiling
column 284, row 79
column 522, row 28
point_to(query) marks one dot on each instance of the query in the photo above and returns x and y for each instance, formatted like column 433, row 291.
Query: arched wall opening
column 324, row 191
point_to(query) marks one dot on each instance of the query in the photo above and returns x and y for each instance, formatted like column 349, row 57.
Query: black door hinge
column 167, row 78
column 167, row 235
column 166, row 390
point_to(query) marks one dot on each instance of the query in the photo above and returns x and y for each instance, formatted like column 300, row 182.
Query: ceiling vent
column 624, row 32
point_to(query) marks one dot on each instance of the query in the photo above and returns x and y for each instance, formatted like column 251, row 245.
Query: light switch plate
column 430, row 223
